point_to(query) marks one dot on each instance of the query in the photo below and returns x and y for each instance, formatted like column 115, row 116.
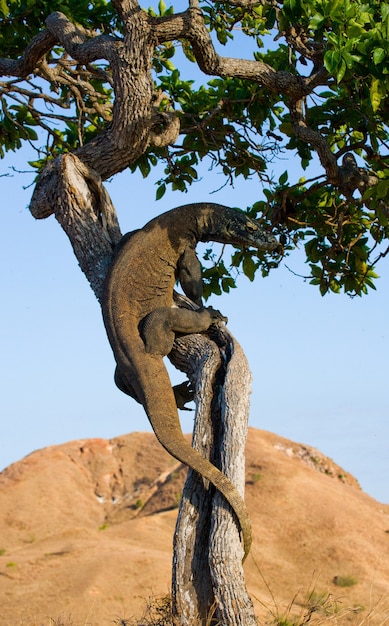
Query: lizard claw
column 216, row 315
column 183, row 393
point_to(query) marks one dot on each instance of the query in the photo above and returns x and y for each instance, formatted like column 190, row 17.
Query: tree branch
column 190, row 25
column 126, row 8
column 34, row 52
column 83, row 49
column 59, row 30
column 314, row 139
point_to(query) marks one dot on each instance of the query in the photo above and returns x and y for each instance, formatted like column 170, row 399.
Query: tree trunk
column 208, row 576
column 207, row 563
column 85, row 211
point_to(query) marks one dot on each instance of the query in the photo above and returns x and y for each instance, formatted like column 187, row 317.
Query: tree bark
column 85, row 211
column 208, row 577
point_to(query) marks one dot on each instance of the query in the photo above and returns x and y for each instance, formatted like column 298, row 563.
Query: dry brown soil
column 86, row 532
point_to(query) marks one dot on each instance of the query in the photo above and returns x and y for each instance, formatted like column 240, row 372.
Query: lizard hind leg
column 184, row 393
column 122, row 383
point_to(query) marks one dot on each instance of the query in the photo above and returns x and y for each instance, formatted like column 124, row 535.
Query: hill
column 86, row 531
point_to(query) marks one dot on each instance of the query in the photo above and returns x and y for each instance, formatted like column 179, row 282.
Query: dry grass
column 323, row 609
column 158, row 613
column 316, row 609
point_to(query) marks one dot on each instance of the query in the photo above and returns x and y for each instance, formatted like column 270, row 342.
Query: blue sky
column 319, row 364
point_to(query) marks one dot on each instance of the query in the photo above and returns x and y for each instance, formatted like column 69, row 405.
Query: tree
column 316, row 88
column 95, row 87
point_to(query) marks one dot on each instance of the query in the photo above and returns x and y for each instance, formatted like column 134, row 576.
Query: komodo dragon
column 141, row 320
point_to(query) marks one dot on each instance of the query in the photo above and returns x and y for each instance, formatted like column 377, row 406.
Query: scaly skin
column 141, row 323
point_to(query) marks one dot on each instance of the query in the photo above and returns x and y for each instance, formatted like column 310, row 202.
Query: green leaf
column 271, row 16
column 351, row 59
column 323, row 288
column 378, row 55
column 375, row 94
column 160, row 191
column 335, row 286
column 4, row 8
column 188, row 53
column 169, row 65
column 382, row 189
column 316, row 21
column 316, row 271
column 354, row 29
column 283, row 178
column 313, row 252
column 341, row 71
column 228, row 283
column 249, row 267
column 331, row 60
column 292, row 8
column 216, row 82
column 384, row 11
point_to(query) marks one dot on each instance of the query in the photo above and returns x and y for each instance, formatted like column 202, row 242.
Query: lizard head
column 227, row 225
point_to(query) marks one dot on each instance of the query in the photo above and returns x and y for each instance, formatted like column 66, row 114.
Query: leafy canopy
column 331, row 198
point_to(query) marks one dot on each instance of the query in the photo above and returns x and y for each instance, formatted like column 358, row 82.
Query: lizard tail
column 154, row 391
column 169, row 434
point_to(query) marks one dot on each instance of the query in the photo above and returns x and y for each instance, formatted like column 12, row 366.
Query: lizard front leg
column 189, row 275
column 159, row 328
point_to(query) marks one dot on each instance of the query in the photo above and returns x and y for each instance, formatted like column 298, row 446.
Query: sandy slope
column 86, row 530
